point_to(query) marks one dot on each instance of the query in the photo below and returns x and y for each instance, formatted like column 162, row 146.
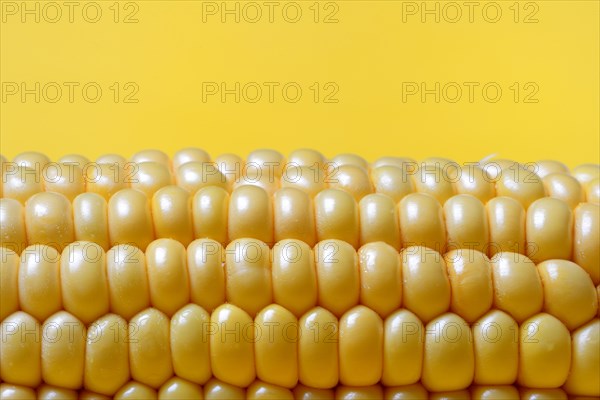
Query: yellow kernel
column 150, row 177
column 63, row 350
column 206, row 273
column 106, row 355
column 294, row 216
column 9, row 273
column 20, row 183
column 337, row 276
column 47, row 392
column 218, row 390
column 520, row 183
column 475, row 181
column 267, row 160
column 180, row 389
column 517, row 285
column 569, row 293
column 336, row 215
column 108, row 179
column 466, row 223
column 318, row 349
column 230, row 165
column 306, row 158
column 426, row 289
column 310, row 180
column 20, row 350
column 276, row 357
column 83, row 281
column 250, row 214
column 136, row 391
column 402, row 349
column 506, row 218
column 564, row 187
column 361, row 347
column 470, row 276
column 189, row 344
column 166, row 263
column 15, row 392
column 302, row 392
column 189, row 154
column 127, row 280
column 435, row 181
column 544, row 353
column 39, row 282
column 494, row 392
column 12, row 225
column 352, row 179
column 210, row 211
column 549, row 230
column 90, row 219
column 31, row 159
column 448, row 362
column 130, row 219
column 379, row 220
column 64, row 178
column 265, row 391
column 586, row 239
column 592, row 191
column 151, row 155
column 584, row 376
column 393, row 181
column 172, row 214
column 359, row 393
column 409, row 392
column 547, row 167
column 149, row 348
column 248, row 275
column 586, row 173
column 294, row 276
column 193, row 176
column 350, row 159
column 232, row 346
column 49, row 220
column 496, row 349
column 422, row 222
column 380, row 278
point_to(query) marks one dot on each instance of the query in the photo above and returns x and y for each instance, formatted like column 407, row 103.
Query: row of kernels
column 549, row 229
column 216, row 390
column 151, row 169
column 317, row 350
column 88, row 283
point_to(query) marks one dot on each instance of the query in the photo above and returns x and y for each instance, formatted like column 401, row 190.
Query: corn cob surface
column 297, row 277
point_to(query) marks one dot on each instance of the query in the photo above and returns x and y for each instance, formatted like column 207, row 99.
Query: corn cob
column 186, row 306
column 549, row 229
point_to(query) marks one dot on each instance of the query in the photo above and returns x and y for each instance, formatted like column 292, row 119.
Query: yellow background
column 368, row 54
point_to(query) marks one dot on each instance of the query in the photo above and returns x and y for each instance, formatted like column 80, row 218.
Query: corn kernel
column 49, row 219
column 190, row 154
column 190, row 345
column 318, row 349
column 248, row 275
column 586, row 239
column 63, row 350
column 90, row 219
column 180, row 389
column 193, row 176
column 506, row 219
column 9, row 272
column 402, row 350
column 466, row 223
column 584, row 376
column 379, row 220
column 130, row 219
column 392, row 181
column 422, row 222
column 336, row 214
column 232, row 347
column 549, row 230
column 136, row 391
column 106, row 355
column 426, row 289
column 568, row 292
column 276, row 357
column 149, row 348
column 166, row 263
column 294, row 276
column 206, row 273
column 20, row 350
column 39, row 282
column 294, row 216
column 151, row 155
column 150, row 177
column 210, row 211
column 218, row 390
column 544, row 352
column 359, row 393
column 338, row 278
column 564, row 187
column 250, row 214
column 448, row 362
column 380, row 278
column 172, row 214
